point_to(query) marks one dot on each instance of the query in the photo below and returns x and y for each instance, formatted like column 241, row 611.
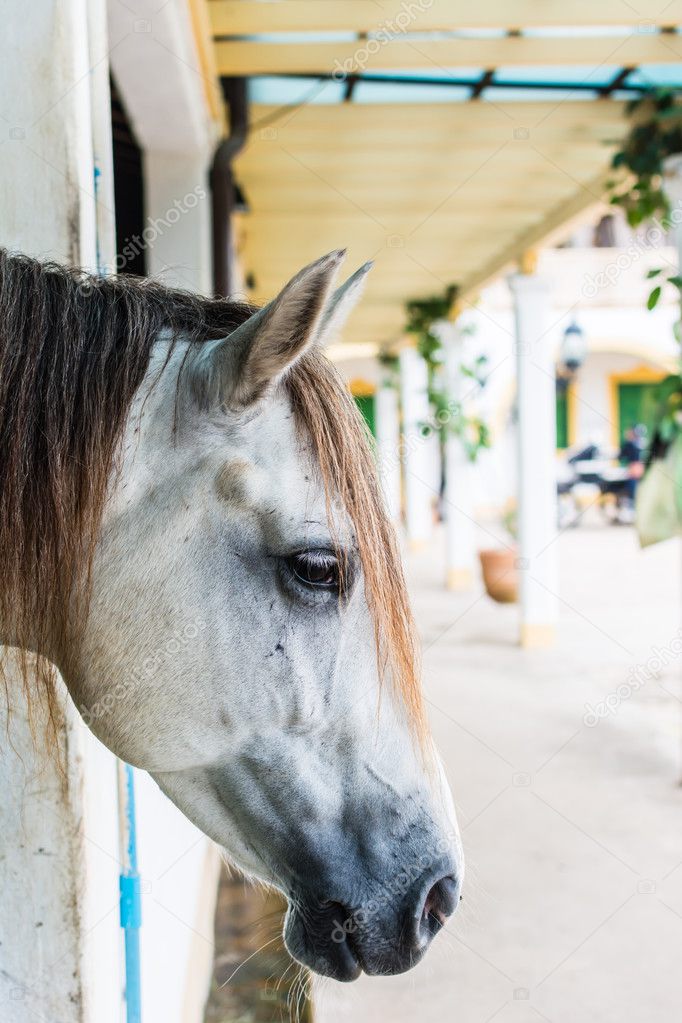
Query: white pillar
column 537, row 502
column 59, row 932
column 387, row 426
column 178, row 219
column 102, row 141
column 416, row 448
column 460, row 530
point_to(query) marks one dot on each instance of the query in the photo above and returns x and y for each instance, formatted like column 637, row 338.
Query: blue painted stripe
column 133, row 992
column 129, row 881
column 131, row 906
column 131, row 820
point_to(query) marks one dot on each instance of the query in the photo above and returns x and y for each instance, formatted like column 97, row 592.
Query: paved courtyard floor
column 572, row 830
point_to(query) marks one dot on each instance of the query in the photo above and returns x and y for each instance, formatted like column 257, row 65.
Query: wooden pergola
column 436, row 193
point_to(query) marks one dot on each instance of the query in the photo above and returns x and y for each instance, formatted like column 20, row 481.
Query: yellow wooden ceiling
column 435, row 194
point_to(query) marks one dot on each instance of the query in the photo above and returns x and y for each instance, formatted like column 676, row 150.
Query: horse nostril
column 439, row 904
column 321, row 935
column 340, row 924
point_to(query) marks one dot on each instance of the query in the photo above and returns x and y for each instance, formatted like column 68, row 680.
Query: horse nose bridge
column 383, row 862
column 388, row 829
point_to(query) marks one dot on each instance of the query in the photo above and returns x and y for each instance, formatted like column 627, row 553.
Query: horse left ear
column 235, row 371
column 341, row 304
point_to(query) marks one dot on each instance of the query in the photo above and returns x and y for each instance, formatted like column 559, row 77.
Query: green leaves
column 475, row 436
column 655, row 134
column 390, row 364
column 422, row 313
column 668, row 411
column 654, row 296
column 447, row 417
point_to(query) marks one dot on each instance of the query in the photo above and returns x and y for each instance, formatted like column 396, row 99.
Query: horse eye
column 316, row 569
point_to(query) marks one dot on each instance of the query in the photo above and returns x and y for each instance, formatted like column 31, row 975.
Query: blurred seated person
column 631, row 455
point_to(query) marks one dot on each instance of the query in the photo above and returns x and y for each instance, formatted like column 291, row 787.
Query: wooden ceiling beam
column 258, row 58
column 451, row 139
column 325, row 204
column 201, row 28
column 372, row 116
column 252, row 17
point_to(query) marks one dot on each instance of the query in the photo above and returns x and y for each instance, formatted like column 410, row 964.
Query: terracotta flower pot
column 500, row 574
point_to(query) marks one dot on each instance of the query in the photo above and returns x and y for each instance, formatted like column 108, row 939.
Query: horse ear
column 235, row 371
column 341, row 305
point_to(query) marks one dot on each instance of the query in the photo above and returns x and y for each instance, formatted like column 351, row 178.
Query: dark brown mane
column 74, row 349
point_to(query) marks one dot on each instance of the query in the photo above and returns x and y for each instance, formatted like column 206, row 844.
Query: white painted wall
column 60, row 940
column 179, row 870
column 59, row 934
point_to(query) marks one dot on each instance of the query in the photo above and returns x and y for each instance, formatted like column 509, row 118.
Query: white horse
column 191, row 530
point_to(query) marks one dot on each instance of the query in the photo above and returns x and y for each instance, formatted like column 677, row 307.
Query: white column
column 416, row 449
column 460, row 530
column 102, row 142
column 387, row 426
column 537, row 502
column 59, row 932
column 161, row 77
column 178, row 219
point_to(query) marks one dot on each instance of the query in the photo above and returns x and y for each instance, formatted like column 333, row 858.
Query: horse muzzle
column 381, row 936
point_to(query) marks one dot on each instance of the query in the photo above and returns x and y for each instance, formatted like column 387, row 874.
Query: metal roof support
column 222, row 184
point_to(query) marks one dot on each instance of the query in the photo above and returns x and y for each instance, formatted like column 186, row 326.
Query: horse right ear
column 233, row 372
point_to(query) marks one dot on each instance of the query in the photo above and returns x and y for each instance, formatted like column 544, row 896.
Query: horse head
column 248, row 639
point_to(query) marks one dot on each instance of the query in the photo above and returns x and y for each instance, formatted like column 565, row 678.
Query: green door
column 636, row 405
column 561, row 420
column 365, row 403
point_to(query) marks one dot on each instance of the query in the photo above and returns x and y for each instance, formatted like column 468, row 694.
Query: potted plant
column 499, row 564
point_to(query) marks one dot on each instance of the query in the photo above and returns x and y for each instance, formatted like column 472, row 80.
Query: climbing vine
column 447, row 417
column 390, row 366
column 655, row 134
